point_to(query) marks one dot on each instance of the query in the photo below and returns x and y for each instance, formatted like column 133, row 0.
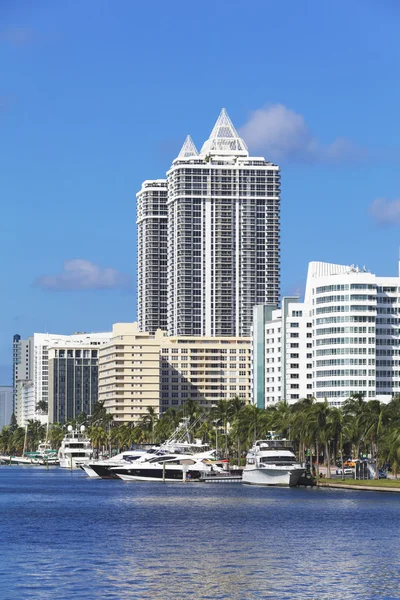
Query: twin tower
column 208, row 239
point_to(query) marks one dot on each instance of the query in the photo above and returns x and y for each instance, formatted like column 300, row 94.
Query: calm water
column 66, row 536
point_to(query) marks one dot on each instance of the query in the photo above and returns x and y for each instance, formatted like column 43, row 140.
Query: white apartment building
column 152, row 255
column 41, row 344
column 220, row 255
column 282, row 353
column 25, row 406
column 138, row 370
column 353, row 318
column 22, row 362
column 223, row 235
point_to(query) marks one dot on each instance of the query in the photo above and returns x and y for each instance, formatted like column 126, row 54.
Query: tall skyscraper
column 152, row 255
column 223, row 235
column 221, row 253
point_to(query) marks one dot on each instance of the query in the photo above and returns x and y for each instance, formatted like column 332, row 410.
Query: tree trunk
column 328, row 461
column 317, row 457
column 341, row 454
column 376, row 462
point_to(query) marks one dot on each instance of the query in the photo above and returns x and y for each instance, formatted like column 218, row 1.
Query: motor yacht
column 168, row 467
column 101, row 469
column 272, row 462
column 75, row 449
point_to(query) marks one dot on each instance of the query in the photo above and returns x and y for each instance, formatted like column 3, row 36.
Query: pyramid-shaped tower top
column 224, row 139
column 188, row 149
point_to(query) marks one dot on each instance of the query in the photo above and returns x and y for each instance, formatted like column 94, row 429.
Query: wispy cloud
column 385, row 212
column 80, row 274
column 283, row 134
column 17, row 36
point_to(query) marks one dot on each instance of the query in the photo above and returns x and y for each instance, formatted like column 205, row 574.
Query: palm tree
column 97, row 436
column 335, row 429
column 36, row 433
column 42, row 407
column 148, row 421
column 56, row 434
column 299, row 425
column 354, row 409
column 373, row 422
column 282, row 418
column 220, row 414
column 235, row 406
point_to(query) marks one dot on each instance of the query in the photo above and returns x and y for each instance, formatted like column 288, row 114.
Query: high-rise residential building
column 344, row 339
column 152, row 255
column 222, row 239
column 223, row 235
column 138, row 371
column 6, row 405
column 22, row 362
column 73, row 381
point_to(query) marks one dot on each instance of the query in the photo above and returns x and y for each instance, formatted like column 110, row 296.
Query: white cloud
column 283, row 134
column 385, row 212
column 80, row 274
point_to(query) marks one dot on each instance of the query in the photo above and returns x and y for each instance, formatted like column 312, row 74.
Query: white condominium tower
column 344, row 339
column 152, row 255
column 222, row 241
column 223, row 235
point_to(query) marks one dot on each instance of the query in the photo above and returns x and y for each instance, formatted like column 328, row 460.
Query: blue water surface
column 66, row 536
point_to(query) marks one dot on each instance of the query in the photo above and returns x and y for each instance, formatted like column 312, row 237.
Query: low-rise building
column 73, row 381
column 205, row 369
column 129, row 366
column 138, row 370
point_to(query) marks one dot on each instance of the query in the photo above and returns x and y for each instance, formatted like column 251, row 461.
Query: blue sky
column 97, row 96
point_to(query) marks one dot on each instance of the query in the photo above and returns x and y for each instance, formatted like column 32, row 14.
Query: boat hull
column 75, row 463
column 99, row 471
column 268, row 476
column 170, row 475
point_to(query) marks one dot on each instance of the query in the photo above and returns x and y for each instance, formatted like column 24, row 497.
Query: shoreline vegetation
column 321, row 434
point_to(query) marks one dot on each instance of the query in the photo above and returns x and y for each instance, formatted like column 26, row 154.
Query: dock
column 221, row 479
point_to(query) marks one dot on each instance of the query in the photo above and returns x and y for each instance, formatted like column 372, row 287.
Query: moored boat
column 75, row 449
column 272, row 462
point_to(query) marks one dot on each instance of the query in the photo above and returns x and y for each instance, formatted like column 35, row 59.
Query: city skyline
column 78, row 148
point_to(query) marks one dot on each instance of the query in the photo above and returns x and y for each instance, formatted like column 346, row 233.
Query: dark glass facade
column 73, row 382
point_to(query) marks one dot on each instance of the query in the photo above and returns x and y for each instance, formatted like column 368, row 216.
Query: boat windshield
column 277, row 460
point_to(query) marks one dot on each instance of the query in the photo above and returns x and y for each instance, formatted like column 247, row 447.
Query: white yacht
column 168, row 467
column 272, row 462
column 75, row 449
column 101, row 469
